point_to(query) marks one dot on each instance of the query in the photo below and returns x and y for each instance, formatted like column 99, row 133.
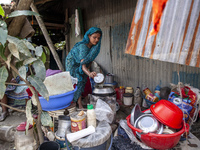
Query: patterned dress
column 73, row 60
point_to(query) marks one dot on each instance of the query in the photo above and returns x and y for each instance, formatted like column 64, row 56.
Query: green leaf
column 2, row 13
column 22, row 12
column 3, row 32
column 29, row 45
column 40, row 70
column 46, row 50
column 43, row 58
column 2, row 50
column 3, row 78
column 22, row 72
column 28, row 115
column 38, row 51
column 13, row 50
column 3, row 74
column 2, row 89
column 23, row 48
column 8, row 60
column 29, row 61
column 39, row 86
column 46, row 119
column 20, row 45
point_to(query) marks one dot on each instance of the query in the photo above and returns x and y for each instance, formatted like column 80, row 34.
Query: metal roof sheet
column 178, row 40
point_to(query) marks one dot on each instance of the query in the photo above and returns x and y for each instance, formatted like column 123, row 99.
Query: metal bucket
column 109, row 78
column 63, row 123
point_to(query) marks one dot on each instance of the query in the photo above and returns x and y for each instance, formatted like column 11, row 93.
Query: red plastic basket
column 159, row 141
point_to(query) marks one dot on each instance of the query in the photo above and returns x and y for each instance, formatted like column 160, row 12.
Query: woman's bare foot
column 80, row 106
column 3, row 116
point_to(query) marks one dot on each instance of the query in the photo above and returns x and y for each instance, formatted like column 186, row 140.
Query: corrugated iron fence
column 178, row 40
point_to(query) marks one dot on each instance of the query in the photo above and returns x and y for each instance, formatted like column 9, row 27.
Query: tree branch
column 13, row 107
column 15, row 84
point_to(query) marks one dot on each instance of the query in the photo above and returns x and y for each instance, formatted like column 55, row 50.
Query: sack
column 183, row 104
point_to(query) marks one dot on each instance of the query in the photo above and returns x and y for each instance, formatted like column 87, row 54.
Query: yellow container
column 129, row 90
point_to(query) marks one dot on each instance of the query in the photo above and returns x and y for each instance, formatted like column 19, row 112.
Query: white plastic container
column 25, row 140
column 128, row 99
column 91, row 116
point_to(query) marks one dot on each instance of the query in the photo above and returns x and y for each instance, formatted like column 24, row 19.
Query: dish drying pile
column 159, row 127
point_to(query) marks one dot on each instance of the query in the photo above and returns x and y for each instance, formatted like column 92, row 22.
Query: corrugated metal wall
column 115, row 17
column 177, row 41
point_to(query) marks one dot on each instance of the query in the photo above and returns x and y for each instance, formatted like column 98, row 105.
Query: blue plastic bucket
column 57, row 102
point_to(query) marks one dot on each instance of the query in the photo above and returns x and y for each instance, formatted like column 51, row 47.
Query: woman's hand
column 92, row 74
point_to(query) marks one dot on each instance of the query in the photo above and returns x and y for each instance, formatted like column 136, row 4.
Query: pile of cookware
column 159, row 127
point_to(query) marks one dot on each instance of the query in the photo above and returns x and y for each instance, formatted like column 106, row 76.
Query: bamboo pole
column 65, row 53
column 67, row 35
column 48, row 39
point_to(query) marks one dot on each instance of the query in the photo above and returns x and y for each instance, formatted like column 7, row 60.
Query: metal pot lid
column 99, row 78
column 103, row 90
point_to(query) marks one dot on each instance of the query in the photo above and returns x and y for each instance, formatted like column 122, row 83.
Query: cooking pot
column 103, row 90
column 109, row 78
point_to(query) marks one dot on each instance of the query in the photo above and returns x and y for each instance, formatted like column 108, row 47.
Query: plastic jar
column 138, row 97
column 91, row 116
column 128, row 99
column 129, row 90
column 23, row 139
column 121, row 91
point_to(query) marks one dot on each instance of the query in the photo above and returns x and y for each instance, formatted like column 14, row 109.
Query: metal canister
column 147, row 91
column 151, row 97
column 78, row 121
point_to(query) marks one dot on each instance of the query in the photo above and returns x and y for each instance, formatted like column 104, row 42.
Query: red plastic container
column 159, row 141
column 119, row 94
column 168, row 113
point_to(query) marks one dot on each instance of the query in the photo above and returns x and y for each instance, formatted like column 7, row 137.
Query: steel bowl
column 103, row 90
column 148, row 124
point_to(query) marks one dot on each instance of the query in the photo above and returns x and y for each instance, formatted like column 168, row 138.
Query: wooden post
column 48, row 39
column 17, row 23
column 65, row 53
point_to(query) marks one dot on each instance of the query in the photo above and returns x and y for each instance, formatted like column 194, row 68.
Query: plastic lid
column 22, row 126
column 129, row 88
column 121, row 87
column 89, row 106
column 128, row 95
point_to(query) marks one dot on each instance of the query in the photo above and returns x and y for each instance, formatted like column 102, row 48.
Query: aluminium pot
column 109, row 78
column 103, row 91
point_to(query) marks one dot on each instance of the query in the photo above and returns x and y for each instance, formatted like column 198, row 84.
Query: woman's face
column 94, row 38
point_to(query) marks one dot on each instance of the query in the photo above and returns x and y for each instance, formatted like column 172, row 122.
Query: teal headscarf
column 95, row 49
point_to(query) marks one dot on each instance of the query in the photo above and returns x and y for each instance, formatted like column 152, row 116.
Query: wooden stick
column 13, row 107
column 48, row 39
column 15, row 84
